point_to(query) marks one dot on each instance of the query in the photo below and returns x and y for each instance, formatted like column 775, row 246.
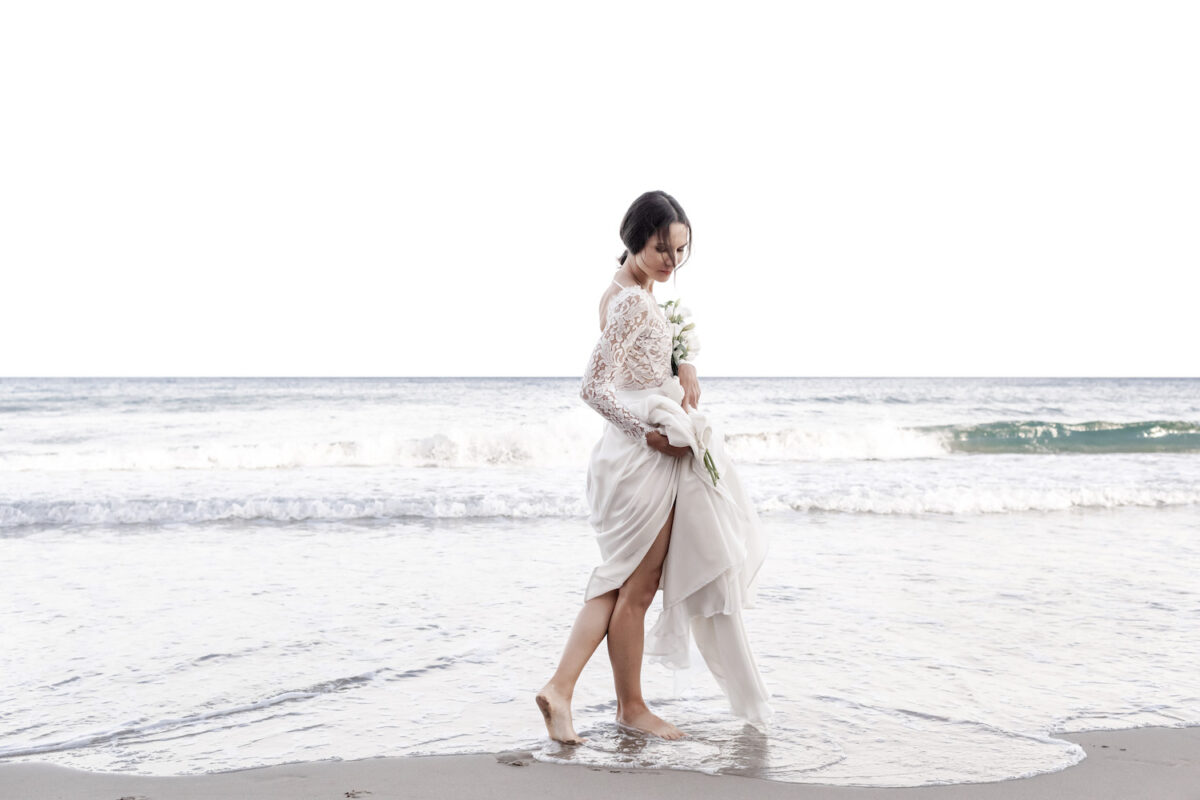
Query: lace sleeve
column 627, row 318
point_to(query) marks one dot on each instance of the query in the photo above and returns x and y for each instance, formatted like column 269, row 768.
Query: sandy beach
column 1159, row 763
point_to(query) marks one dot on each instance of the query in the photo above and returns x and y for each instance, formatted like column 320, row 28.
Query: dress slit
column 662, row 576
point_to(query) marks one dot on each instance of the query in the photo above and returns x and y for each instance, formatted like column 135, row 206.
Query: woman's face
column 658, row 259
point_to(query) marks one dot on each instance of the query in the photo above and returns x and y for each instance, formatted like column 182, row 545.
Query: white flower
column 685, row 343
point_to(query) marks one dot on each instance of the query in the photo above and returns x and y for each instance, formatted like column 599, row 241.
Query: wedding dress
column 717, row 542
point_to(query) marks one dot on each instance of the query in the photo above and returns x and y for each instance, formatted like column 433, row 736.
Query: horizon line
column 578, row 377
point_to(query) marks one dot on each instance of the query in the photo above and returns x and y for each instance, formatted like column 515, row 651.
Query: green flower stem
column 711, row 467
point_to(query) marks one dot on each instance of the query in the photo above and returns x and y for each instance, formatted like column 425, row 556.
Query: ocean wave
column 1035, row 436
column 879, row 441
column 991, row 500
column 567, row 443
column 894, row 500
column 286, row 509
column 545, row 445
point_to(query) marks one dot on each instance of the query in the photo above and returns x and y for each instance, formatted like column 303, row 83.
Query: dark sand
column 1150, row 763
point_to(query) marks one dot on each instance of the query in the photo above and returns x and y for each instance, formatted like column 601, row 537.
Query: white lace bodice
column 634, row 352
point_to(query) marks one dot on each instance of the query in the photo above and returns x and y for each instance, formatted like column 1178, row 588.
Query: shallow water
column 212, row 581
column 899, row 650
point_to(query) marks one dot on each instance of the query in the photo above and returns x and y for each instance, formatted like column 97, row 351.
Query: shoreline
column 1158, row 762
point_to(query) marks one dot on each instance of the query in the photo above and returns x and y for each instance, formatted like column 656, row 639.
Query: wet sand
column 1158, row 763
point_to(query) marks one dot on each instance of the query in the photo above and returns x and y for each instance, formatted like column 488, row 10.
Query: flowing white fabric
column 717, row 541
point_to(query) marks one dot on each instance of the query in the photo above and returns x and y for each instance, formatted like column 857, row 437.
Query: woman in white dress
column 644, row 480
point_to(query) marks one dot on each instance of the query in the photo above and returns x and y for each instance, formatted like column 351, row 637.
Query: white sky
column 320, row 188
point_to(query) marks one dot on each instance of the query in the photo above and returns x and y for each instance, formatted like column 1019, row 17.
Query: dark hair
column 651, row 215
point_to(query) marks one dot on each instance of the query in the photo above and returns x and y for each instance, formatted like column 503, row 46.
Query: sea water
column 209, row 574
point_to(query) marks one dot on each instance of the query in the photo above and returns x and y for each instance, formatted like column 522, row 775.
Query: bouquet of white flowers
column 685, row 344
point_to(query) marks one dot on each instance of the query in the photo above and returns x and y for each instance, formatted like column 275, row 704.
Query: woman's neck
column 647, row 284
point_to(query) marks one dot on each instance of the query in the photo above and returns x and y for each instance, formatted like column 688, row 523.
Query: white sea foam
column 296, row 509
column 971, row 500
column 455, row 446
column 944, row 500
column 551, row 444
column 872, row 441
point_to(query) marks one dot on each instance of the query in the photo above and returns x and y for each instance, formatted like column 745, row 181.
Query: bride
column 643, row 480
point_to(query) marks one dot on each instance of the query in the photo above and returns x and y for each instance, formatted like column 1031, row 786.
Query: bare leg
column 627, row 638
column 554, row 700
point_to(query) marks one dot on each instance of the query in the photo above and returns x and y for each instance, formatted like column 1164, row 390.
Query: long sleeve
column 627, row 318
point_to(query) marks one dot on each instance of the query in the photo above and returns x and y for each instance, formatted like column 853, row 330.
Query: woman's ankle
column 631, row 707
column 564, row 692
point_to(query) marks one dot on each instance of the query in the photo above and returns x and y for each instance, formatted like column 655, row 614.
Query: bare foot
column 556, row 710
column 649, row 722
